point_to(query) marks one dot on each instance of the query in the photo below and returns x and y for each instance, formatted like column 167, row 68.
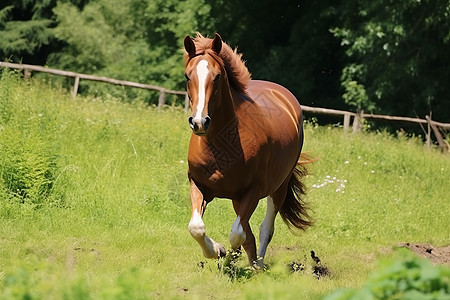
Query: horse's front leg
column 241, row 233
column 210, row 248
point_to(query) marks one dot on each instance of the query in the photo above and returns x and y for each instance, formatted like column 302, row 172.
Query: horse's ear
column 217, row 43
column 189, row 45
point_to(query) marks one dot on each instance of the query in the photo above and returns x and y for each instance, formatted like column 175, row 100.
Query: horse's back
column 277, row 99
column 278, row 104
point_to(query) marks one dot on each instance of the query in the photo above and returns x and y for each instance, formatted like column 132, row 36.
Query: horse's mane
column 237, row 72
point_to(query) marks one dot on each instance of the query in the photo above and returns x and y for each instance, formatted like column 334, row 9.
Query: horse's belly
column 226, row 179
column 260, row 175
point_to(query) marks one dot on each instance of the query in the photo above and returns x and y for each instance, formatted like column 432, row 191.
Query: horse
column 245, row 145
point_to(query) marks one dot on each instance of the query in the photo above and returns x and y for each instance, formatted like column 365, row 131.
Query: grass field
column 94, row 204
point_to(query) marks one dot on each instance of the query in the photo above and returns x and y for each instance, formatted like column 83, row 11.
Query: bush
column 27, row 165
column 409, row 277
column 28, row 160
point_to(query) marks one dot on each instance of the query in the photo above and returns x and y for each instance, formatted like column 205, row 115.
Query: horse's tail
column 294, row 211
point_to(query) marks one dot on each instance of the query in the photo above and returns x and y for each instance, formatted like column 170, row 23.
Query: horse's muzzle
column 200, row 126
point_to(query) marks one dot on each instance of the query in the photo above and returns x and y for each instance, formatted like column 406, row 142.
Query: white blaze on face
column 202, row 73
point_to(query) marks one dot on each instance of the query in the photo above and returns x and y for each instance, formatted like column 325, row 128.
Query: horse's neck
column 224, row 117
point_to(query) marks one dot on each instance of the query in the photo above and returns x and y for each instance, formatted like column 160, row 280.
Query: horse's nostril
column 191, row 122
column 207, row 122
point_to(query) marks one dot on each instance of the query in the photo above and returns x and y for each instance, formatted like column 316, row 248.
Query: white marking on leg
column 202, row 73
column 196, row 226
column 266, row 230
column 237, row 234
column 210, row 248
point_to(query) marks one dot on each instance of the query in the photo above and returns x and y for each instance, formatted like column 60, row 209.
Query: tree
column 25, row 29
column 383, row 56
column 133, row 40
column 398, row 56
column 288, row 43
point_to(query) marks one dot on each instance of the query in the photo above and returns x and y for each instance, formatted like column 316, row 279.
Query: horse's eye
column 187, row 77
column 217, row 77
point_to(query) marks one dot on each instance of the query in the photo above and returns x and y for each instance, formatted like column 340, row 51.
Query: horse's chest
column 224, row 167
column 216, row 164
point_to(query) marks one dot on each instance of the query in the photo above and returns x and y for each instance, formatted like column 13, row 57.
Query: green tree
column 382, row 56
column 398, row 56
column 25, row 29
column 135, row 40
column 288, row 43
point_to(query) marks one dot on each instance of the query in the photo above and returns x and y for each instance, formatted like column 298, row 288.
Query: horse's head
column 203, row 72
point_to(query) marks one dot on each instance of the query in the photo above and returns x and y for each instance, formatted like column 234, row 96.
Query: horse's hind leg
column 266, row 230
column 210, row 248
column 267, row 227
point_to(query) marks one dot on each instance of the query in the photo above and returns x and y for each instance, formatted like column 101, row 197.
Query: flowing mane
column 237, row 72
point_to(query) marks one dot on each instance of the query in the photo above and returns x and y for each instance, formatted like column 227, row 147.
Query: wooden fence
column 78, row 76
column 432, row 126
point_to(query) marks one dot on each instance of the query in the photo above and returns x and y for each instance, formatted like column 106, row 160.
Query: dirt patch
column 296, row 266
column 440, row 255
column 318, row 269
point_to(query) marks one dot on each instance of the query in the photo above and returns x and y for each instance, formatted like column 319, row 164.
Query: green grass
column 102, row 207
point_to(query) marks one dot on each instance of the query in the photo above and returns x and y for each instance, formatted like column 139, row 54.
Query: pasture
column 94, row 204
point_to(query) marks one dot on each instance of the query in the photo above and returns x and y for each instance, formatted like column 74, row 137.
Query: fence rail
column 78, row 76
column 327, row 111
column 432, row 126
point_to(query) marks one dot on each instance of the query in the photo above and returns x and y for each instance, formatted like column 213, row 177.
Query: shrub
column 409, row 277
column 27, row 165
column 28, row 160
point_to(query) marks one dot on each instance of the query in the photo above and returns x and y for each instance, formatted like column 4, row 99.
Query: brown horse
column 246, row 143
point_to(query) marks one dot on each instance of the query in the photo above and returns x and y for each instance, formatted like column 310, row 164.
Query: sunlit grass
column 114, row 224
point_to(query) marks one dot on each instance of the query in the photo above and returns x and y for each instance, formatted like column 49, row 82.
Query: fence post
column 27, row 74
column 162, row 98
column 428, row 138
column 437, row 134
column 75, row 87
column 357, row 123
column 346, row 122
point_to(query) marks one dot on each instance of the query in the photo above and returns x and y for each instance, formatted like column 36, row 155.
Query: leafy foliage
column 229, row 266
column 132, row 40
column 397, row 61
column 25, row 29
column 409, row 278
column 382, row 56
column 289, row 43
column 27, row 152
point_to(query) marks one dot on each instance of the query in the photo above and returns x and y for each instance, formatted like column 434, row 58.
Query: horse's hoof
column 221, row 250
column 258, row 264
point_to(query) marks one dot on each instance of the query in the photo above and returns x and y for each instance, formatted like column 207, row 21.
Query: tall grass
column 27, row 153
column 94, row 204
